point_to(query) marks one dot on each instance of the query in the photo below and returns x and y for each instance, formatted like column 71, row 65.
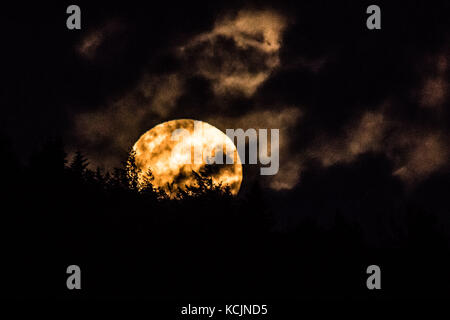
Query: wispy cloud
column 239, row 53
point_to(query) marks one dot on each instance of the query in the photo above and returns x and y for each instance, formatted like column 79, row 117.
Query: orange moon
column 172, row 156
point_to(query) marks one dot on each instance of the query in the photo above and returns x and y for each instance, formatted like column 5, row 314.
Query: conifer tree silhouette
column 79, row 164
column 132, row 171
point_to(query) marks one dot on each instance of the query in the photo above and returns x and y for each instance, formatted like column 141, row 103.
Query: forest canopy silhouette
column 206, row 241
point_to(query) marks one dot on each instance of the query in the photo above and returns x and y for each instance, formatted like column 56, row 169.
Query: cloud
column 236, row 57
column 434, row 91
column 239, row 53
column 289, row 174
column 285, row 119
column 425, row 154
column 282, row 118
column 414, row 151
column 364, row 136
column 89, row 45
column 162, row 92
column 416, row 147
column 116, row 127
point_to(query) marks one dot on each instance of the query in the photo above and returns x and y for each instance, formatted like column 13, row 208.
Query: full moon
column 173, row 149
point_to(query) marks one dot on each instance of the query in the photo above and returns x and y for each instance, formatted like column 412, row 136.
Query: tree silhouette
column 79, row 163
column 205, row 239
column 132, row 171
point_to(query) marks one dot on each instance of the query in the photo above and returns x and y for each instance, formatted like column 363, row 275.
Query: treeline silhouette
column 133, row 241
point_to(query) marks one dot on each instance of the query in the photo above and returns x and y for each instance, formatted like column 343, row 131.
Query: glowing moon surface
column 173, row 149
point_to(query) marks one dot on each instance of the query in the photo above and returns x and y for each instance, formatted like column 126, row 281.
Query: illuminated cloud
column 415, row 152
column 239, row 53
column 365, row 136
column 90, row 44
column 284, row 119
column 259, row 29
column 289, row 174
column 237, row 56
column 425, row 154
column 434, row 92
column 116, row 127
column 161, row 92
column 435, row 87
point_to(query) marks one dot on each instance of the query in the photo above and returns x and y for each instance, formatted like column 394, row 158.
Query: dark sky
column 344, row 97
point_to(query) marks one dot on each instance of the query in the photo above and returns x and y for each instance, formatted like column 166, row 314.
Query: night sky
column 334, row 88
column 363, row 114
